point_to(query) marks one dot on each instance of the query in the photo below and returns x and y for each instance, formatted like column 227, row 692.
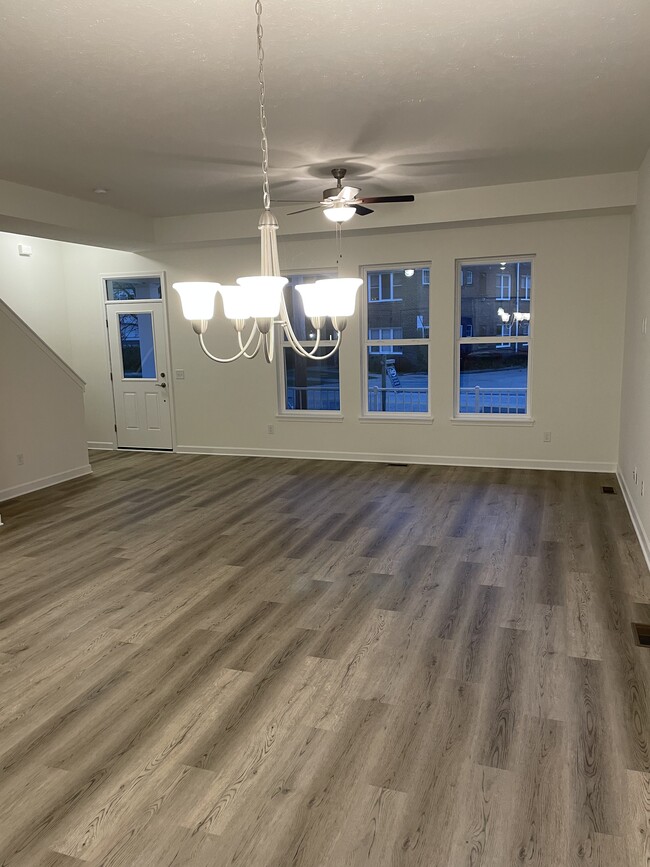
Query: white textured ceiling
column 156, row 99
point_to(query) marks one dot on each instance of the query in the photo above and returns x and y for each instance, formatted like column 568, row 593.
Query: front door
column 139, row 369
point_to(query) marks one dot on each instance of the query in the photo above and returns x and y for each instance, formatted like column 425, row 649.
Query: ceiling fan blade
column 303, row 210
column 361, row 211
column 375, row 200
column 348, row 193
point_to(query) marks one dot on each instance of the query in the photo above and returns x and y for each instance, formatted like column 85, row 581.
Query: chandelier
column 261, row 299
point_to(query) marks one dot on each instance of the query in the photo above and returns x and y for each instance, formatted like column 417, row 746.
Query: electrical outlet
column 20, row 459
column 269, row 429
column 644, row 325
column 547, row 436
column 179, row 374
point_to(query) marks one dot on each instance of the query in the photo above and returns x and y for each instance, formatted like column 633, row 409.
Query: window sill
column 503, row 419
column 309, row 415
column 397, row 418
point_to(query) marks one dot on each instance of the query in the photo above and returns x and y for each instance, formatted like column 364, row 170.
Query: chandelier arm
column 269, row 344
column 291, row 334
column 300, row 350
column 244, row 348
column 233, row 357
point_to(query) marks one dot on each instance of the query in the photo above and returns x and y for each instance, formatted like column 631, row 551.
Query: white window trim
column 505, row 419
column 281, row 344
column 378, row 417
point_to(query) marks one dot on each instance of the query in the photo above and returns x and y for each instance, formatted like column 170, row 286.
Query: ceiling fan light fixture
column 339, row 213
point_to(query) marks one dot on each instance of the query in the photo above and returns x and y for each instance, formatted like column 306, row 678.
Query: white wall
column 33, row 286
column 635, row 403
column 42, row 414
column 580, row 284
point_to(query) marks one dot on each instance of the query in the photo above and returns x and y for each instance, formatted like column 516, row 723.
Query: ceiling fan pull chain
column 339, row 246
column 266, row 190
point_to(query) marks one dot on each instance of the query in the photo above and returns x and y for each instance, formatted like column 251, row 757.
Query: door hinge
column 115, row 426
column 107, row 323
column 111, row 376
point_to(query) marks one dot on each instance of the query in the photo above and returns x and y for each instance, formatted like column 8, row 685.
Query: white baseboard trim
column 45, row 482
column 102, row 446
column 644, row 541
column 441, row 460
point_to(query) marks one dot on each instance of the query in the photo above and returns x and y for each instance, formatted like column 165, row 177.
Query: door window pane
column 310, row 384
column 133, row 289
column 493, row 378
column 136, row 341
column 398, row 382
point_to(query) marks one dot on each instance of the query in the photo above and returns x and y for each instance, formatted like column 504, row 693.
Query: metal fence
column 400, row 400
column 493, row 400
column 313, row 397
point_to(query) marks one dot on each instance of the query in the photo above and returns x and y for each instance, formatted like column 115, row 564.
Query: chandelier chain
column 266, row 190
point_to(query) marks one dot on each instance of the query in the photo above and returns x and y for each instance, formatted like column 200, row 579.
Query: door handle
column 161, row 385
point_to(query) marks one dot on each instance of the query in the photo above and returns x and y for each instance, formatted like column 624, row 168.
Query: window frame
column 282, row 343
column 503, row 297
column 388, row 300
column 366, row 342
column 528, row 340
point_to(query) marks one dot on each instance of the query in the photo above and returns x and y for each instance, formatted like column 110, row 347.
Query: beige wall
column 580, row 284
column 635, row 403
column 42, row 413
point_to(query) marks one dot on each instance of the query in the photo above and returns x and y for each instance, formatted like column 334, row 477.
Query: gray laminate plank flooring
column 218, row 662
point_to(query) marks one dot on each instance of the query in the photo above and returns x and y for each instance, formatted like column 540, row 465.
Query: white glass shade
column 235, row 302
column 335, row 297
column 197, row 299
column 263, row 295
column 339, row 213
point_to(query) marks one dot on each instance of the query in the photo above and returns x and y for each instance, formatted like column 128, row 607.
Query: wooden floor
column 221, row 661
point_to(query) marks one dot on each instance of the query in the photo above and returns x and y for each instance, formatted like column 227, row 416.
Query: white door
column 136, row 336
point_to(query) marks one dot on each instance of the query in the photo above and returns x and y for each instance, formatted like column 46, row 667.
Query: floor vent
column 642, row 634
column 397, row 465
column 608, row 489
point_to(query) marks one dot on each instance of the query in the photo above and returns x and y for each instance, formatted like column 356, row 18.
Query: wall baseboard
column 639, row 529
column 433, row 460
column 102, row 446
column 45, row 482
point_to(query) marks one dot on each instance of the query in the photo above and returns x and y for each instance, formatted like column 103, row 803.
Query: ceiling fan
column 341, row 203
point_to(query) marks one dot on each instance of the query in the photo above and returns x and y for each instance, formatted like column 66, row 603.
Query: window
column 307, row 384
column 493, row 339
column 381, row 286
column 133, row 288
column 396, row 338
column 384, row 334
column 504, row 283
